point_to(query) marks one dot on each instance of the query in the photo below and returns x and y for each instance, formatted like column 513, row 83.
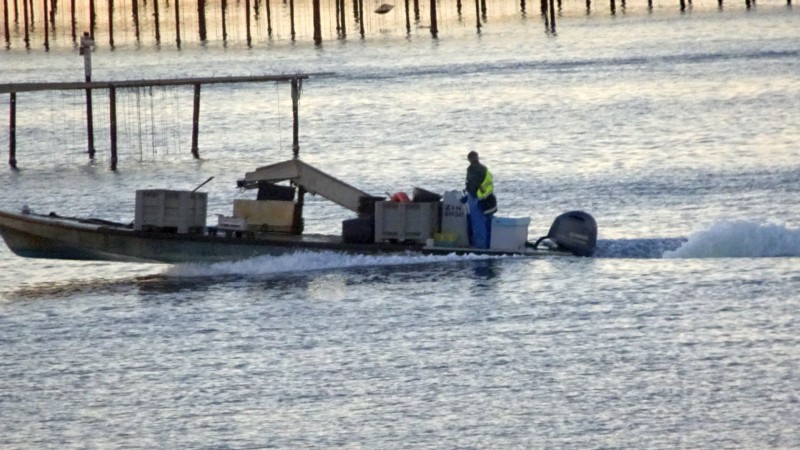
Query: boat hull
column 54, row 237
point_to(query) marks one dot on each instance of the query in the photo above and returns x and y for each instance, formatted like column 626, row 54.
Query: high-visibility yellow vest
column 487, row 186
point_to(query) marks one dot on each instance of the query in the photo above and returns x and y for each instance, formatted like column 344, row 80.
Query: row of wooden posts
column 49, row 8
column 13, row 89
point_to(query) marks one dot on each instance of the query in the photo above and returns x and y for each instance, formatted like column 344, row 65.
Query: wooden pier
column 13, row 89
column 28, row 22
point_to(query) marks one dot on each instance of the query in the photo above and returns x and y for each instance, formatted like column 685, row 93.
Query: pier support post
column 478, row 14
column 7, row 31
column 343, row 31
column 317, row 23
column 25, row 19
column 178, row 23
column 408, row 18
column 553, row 17
column 86, row 51
column 269, row 18
column 157, row 21
column 196, row 121
column 247, row 22
column 135, row 12
column 112, row 108
column 72, row 20
column 224, row 7
column 434, row 24
column 46, row 28
column 12, row 131
column 291, row 18
column 111, row 23
column 92, row 18
column 296, row 87
column 361, row 17
column 201, row 19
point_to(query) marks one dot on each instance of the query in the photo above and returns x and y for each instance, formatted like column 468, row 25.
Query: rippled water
column 678, row 133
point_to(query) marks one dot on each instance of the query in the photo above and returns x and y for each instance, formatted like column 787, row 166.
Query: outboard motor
column 574, row 231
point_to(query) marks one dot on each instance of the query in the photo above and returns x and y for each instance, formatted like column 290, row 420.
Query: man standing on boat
column 481, row 200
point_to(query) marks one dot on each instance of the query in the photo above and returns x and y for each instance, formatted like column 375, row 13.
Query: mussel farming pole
column 296, row 86
column 12, row 132
column 196, row 121
column 317, row 23
column 111, row 23
column 86, row 51
column 434, row 25
column 112, row 108
column 5, row 23
column 46, row 29
column 178, row 23
column 135, row 11
column 247, row 22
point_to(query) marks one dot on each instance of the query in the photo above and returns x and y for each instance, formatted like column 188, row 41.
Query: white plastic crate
column 406, row 221
column 161, row 209
column 509, row 233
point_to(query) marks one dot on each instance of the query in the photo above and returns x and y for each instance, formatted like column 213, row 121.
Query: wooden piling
column 25, row 19
column 458, row 8
column 361, row 17
column 12, row 131
column 416, row 11
column 408, row 18
column 111, row 23
column 72, row 20
column 613, row 6
column 296, row 85
column 291, row 17
column 434, row 24
column 46, row 29
column 89, row 123
column 317, row 23
column 112, row 108
column 552, row 17
column 7, row 31
column 683, row 5
column 483, row 9
column 157, row 21
column 522, row 6
column 92, row 18
column 201, row 19
column 196, row 121
column 16, row 13
column 52, row 14
column 178, row 23
column 247, row 22
column 344, row 24
column 135, row 12
column 30, row 8
column 224, row 24
column 269, row 17
column 589, row 6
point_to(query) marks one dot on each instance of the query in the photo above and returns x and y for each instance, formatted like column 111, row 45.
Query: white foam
column 740, row 239
column 306, row 261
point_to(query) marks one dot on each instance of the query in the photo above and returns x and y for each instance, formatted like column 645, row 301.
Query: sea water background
column 679, row 133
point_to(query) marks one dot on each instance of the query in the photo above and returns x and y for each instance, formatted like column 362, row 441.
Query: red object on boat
column 400, row 197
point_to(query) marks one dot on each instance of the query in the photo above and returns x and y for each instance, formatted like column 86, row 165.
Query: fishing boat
column 171, row 226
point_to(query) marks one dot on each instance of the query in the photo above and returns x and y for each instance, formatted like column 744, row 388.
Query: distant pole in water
column 291, row 18
column 613, row 7
column 5, row 23
column 158, row 22
column 111, row 23
column 522, row 6
column 112, row 111
column 589, row 6
column 92, row 19
column 196, row 121
column 269, row 18
column 408, row 18
column 25, row 19
column 178, row 23
column 201, row 19
column 12, row 132
column 53, row 8
column 224, row 7
column 553, row 17
column 296, row 85
column 416, row 10
column 135, row 11
column 434, row 24
column 483, row 9
column 86, row 51
column 361, row 17
column 343, row 17
column 247, row 22
column 72, row 20
column 46, row 29
column 317, row 23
